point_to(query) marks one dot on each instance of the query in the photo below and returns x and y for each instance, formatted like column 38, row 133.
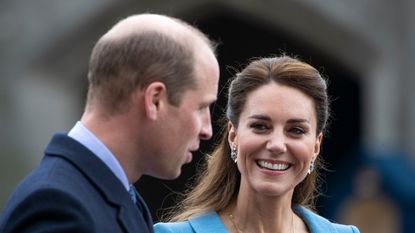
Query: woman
column 262, row 176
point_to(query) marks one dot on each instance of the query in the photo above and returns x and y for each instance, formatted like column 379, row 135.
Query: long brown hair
column 218, row 182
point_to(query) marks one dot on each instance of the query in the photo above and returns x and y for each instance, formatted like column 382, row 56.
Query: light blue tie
column 133, row 195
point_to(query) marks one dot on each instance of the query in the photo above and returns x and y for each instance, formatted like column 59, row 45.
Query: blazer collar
column 210, row 222
column 207, row 223
column 314, row 222
column 99, row 174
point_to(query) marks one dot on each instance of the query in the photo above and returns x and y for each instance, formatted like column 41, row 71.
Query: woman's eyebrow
column 260, row 117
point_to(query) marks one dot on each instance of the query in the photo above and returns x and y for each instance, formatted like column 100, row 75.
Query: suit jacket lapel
column 100, row 176
column 131, row 223
column 144, row 210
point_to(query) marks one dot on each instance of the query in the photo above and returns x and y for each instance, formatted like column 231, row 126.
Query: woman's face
column 275, row 140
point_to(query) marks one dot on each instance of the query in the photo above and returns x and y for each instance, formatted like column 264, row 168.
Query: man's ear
column 155, row 95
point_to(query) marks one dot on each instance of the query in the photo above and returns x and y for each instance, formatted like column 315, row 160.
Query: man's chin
column 169, row 176
column 189, row 158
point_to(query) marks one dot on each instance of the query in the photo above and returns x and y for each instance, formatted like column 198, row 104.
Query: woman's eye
column 258, row 126
column 297, row 131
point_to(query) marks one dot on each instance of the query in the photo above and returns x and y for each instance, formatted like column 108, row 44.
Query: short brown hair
column 119, row 66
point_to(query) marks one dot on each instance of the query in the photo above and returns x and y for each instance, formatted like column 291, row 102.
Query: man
column 151, row 81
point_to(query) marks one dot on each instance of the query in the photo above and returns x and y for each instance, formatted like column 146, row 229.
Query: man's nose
column 206, row 130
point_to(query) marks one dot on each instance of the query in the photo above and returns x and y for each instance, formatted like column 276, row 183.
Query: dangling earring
column 234, row 155
column 311, row 169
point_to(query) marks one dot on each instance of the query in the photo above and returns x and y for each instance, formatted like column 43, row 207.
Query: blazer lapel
column 314, row 222
column 208, row 223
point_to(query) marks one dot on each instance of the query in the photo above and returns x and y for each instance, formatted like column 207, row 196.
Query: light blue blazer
column 211, row 223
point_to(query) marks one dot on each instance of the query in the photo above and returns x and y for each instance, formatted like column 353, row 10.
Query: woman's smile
column 273, row 165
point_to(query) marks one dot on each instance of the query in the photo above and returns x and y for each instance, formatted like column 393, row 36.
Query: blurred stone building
column 365, row 47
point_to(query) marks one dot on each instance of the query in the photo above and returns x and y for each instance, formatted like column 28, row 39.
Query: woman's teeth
column 273, row 166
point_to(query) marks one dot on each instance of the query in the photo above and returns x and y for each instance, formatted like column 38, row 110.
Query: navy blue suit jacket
column 73, row 191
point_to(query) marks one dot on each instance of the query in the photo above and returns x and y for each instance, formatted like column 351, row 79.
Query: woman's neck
column 253, row 212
